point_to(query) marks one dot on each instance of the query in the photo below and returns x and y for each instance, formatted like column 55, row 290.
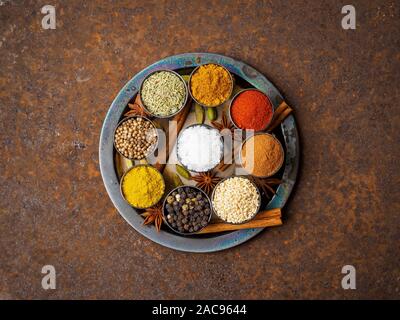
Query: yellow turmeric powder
column 211, row 85
column 143, row 186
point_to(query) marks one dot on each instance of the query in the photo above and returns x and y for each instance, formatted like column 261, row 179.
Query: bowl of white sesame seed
column 236, row 199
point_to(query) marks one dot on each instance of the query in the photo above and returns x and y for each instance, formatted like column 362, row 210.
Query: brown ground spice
column 268, row 155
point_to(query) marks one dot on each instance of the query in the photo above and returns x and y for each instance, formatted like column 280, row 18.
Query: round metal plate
column 106, row 153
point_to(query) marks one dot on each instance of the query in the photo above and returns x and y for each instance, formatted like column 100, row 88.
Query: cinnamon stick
column 272, row 213
column 266, row 214
column 221, row 227
column 281, row 113
column 269, row 218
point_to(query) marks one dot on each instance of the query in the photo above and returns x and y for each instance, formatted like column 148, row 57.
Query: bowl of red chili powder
column 251, row 109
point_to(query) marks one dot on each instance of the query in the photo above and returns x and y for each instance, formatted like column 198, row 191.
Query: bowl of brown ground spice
column 262, row 155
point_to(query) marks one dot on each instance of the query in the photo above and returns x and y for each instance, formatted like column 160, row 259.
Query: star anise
column 153, row 215
column 224, row 124
column 136, row 110
column 266, row 185
column 206, row 181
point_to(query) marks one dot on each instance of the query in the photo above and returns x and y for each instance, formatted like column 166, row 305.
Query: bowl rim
column 238, row 94
column 252, row 136
column 165, row 213
column 136, row 166
column 258, row 192
column 210, row 128
column 184, row 100
column 155, row 146
column 190, row 90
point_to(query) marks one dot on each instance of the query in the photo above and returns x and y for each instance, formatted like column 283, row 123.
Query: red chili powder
column 251, row 110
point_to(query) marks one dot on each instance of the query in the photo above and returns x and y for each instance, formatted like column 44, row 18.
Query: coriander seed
column 135, row 138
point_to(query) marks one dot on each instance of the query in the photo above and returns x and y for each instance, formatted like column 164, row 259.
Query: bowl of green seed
column 163, row 93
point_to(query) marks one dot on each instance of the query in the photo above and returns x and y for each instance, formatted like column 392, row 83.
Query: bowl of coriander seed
column 135, row 138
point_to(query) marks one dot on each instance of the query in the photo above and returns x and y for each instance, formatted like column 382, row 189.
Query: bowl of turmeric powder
column 142, row 186
column 210, row 85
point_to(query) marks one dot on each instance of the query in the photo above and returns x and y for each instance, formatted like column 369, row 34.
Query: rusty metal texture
column 56, row 88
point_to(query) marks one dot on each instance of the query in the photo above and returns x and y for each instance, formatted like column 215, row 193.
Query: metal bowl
column 123, row 177
column 199, row 125
column 184, row 100
column 165, row 212
column 283, row 152
column 190, row 90
column 258, row 192
column 240, row 92
column 135, row 117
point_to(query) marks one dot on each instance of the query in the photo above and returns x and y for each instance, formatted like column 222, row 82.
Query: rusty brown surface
column 57, row 85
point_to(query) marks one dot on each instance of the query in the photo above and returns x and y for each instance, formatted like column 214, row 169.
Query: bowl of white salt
column 200, row 148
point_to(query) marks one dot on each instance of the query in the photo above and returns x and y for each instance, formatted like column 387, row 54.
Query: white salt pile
column 200, row 148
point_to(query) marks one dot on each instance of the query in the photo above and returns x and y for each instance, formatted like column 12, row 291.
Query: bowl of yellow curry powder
column 210, row 85
column 142, row 186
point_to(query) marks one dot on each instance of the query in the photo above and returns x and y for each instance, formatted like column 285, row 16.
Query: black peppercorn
column 189, row 211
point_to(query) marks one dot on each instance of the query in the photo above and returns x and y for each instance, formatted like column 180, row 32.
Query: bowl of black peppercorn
column 187, row 210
